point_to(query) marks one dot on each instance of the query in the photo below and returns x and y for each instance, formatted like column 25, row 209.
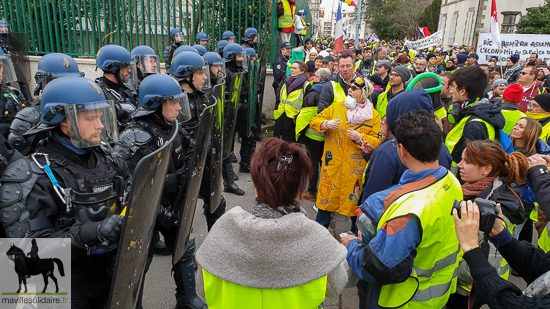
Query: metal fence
column 81, row 27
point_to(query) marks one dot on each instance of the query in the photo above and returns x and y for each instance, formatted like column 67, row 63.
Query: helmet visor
column 240, row 58
column 4, row 29
column 201, row 77
column 148, row 64
column 46, row 77
column 218, row 71
column 7, row 73
column 128, row 73
column 176, row 107
column 92, row 123
column 178, row 37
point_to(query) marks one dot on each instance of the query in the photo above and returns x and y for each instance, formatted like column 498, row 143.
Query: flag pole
column 358, row 25
column 500, row 60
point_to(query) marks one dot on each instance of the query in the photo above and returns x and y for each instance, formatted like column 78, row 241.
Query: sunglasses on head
column 353, row 87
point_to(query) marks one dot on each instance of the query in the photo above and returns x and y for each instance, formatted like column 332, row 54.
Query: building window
column 469, row 24
column 509, row 22
column 452, row 30
column 442, row 23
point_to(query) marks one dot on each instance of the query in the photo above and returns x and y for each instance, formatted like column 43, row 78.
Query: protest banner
column 429, row 41
column 522, row 44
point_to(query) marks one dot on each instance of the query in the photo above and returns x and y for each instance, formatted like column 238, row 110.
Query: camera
column 488, row 212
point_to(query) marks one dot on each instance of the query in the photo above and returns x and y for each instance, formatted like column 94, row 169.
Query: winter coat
column 342, row 163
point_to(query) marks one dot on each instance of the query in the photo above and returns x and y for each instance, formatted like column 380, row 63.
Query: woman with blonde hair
column 348, row 124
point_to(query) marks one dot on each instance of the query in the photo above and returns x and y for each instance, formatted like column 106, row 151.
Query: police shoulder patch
column 278, row 66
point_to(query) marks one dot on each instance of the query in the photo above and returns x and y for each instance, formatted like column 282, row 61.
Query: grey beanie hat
column 404, row 72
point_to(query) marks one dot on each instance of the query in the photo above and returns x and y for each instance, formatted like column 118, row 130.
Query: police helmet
column 55, row 65
column 200, row 49
column 250, row 51
column 201, row 36
column 212, row 58
column 250, row 34
column 4, row 27
column 110, row 58
column 146, row 58
column 158, row 89
column 176, row 36
column 185, row 64
column 221, row 46
column 184, row 48
column 228, row 35
column 231, row 51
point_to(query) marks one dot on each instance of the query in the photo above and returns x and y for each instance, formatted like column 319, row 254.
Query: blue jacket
column 388, row 258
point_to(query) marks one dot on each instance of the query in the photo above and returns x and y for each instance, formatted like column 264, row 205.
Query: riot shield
column 16, row 45
column 141, row 214
column 253, row 74
column 261, row 79
column 186, row 201
column 230, row 113
column 216, row 141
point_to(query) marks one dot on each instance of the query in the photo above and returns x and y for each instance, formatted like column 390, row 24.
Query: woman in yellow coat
column 348, row 124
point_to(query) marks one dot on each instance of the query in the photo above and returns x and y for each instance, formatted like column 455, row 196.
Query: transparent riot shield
column 186, row 202
column 141, row 214
column 253, row 74
column 230, row 112
column 16, row 46
column 261, row 79
column 216, row 141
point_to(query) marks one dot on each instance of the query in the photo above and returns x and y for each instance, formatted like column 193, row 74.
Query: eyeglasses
column 523, row 73
column 353, row 87
column 294, row 68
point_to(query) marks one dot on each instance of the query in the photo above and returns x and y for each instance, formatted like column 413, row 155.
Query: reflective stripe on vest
column 357, row 64
column 434, row 273
column 302, row 122
column 219, row 293
column 290, row 104
column 512, row 117
column 441, row 112
column 287, row 20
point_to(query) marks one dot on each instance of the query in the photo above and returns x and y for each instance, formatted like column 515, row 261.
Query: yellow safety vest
column 304, row 32
column 455, row 135
column 544, row 239
column 545, row 135
column 433, row 277
column 290, row 104
column 382, row 102
column 302, row 121
column 219, row 293
column 512, row 117
column 357, row 64
column 441, row 112
column 339, row 93
column 287, row 20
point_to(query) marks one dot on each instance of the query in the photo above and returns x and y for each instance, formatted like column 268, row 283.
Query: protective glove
column 110, row 228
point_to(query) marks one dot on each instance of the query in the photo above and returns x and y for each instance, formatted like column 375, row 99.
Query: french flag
column 423, row 31
column 339, row 31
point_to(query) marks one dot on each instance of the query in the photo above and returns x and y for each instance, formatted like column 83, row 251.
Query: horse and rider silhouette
column 33, row 265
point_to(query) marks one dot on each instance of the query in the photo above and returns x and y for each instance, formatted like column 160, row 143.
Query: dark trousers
column 315, row 152
column 248, row 145
column 299, row 39
column 323, row 218
column 92, row 296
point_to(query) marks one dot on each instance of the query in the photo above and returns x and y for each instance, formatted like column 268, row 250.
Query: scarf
column 473, row 189
column 537, row 116
column 360, row 114
column 68, row 144
column 378, row 88
column 510, row 71
column 264, row 211
column 294, row 82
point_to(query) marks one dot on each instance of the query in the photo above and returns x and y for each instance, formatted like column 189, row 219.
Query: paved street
column 160, row 287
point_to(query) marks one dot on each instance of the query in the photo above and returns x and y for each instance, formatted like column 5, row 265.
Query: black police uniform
column 248, row 144
column 11, row 102
column 279, row 73
column 246, row 44
column 143, row 136
column 124, row 96
column 25, row 119
column 168, row 54
column 96, row 173
column 6, row 46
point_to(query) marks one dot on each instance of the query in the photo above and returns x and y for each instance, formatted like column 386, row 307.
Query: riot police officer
column 73, row 186
column 234, row 57
column 118, row 79
column 50, row 67
column 147, row 63
column 202, row 39
column 190, row 70
column 161, row 103
column 11, row 99
column 7, row 45
column 176, row 39
column 228, row 36
column 221, row 45
column 250, row 37
column 217, row 75
column 200, row 49
column 257, row 130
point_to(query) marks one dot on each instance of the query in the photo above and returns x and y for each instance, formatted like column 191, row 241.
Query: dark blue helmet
column 228, row 35
column 159, row 89
column 176, row 36
column 4, row 27
column 250, row 34
column 110, row 58
column 201, row 36
column 142, row 50
column 184, row 48
column 212, row 58
column 185, row 64
column 55, row 65
column 232, row 51
column 250, row 51
column 200, row 49
column 149, row 62
column 221, row 46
